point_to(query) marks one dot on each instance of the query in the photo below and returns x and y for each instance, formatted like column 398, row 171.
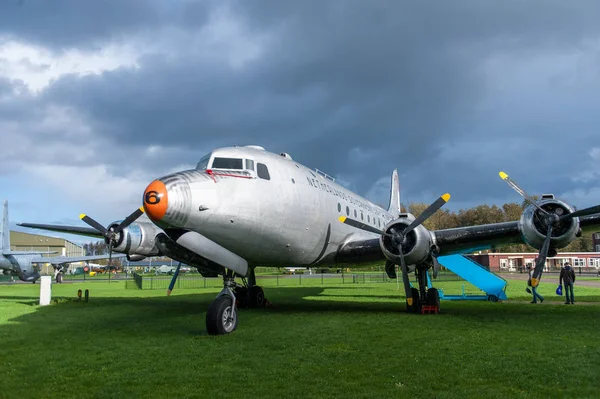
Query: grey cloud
column 399, row 81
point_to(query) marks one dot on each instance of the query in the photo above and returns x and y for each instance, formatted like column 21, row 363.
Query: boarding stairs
column 494, row 286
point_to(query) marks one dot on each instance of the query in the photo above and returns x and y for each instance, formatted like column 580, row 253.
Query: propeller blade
column 407, row 289
column 86, row 219
column 172, row 284
column 521, row 192
column 541, row 260
column 427, row 213
column 110, row 254
column 582, row 212
column 436, row 266
column 129, row 219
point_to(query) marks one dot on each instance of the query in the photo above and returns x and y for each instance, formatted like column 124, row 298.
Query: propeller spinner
column 110, row 234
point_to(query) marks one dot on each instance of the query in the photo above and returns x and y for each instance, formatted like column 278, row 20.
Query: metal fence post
column 300, row 279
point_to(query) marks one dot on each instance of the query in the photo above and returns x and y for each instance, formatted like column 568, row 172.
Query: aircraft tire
column 59, row 278
column 433, row 297
column 216, row 317
column 416, row 306
column 257, row 297
column 241, row 294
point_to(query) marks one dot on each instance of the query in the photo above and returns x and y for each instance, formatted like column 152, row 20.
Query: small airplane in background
column 243, row 207
column 23, row 263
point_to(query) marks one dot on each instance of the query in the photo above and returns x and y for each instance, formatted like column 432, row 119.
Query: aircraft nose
column 156, row 200
column 168, row 200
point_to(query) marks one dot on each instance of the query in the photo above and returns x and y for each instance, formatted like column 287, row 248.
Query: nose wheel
column 221, row 316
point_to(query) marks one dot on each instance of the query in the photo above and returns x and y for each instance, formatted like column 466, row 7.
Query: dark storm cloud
column 351, row 87
column 60, row 24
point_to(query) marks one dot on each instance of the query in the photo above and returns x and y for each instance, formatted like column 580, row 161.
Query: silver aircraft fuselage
column 290, row 218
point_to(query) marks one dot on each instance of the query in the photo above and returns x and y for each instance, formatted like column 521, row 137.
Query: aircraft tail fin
column 4, row 233
column 394, row 207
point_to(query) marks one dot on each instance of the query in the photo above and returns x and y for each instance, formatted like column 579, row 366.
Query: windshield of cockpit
column 203, row 164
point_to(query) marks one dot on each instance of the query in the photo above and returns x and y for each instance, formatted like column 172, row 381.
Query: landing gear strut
column 221, row 316
column 422, row 296
column 249, row 294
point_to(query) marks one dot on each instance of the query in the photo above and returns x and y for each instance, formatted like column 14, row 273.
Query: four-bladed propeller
column 398, row 238
column 552, row 220
column 110, row 234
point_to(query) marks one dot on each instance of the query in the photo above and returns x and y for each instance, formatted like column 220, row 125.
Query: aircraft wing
column 58, row 260
column 82, row 231
column 455, row 240
column 472, row 238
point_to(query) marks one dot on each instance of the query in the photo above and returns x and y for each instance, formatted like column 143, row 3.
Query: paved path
column 551, row 277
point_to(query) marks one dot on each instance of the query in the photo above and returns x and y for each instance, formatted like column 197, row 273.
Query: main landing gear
column 58, row 274
column 423, row 298
column 221, row 316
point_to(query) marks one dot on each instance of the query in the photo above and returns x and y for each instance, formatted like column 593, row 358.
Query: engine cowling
column 533, row 230
column 137, row 240
column 416, row 246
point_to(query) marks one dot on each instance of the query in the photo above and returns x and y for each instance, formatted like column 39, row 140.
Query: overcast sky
column 97, row 98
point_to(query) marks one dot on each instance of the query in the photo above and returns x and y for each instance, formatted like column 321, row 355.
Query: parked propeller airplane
column 22, row 263
column 244, row 206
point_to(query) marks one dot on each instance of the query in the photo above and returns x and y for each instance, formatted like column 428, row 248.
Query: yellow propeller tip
column 534, row 282
column 342, row 219
column 446, row 197
column 409, row 301
column 142, row 209
column 503, row 175
column 81, row 216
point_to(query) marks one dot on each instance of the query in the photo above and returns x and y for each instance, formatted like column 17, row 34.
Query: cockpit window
column 203, row 162
column 249, row 164
column 262, row 171
column 228, row 163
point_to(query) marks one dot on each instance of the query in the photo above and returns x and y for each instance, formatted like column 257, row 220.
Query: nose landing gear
column 221, row 316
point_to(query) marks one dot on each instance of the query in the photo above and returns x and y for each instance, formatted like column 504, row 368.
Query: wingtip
column 503, row 175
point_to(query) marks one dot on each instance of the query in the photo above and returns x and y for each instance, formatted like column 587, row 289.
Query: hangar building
column 20, row 241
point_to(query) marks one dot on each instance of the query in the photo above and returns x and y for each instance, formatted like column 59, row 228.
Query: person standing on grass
column 567, row 275
column 533, row 289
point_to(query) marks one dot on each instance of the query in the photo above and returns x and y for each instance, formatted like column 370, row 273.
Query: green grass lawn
column 343, row 341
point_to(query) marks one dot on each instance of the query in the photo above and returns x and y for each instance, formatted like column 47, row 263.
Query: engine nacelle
column 416, row 246
column 533, row 229
column 137, row 239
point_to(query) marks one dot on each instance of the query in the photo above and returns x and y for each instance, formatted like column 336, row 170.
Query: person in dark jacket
column 567, row 275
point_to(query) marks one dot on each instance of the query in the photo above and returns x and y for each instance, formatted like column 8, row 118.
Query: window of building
column 228, row 163
column 250, row 165
column 262, row 171
column 503, row 263
column 578, row 262
column 597, row 248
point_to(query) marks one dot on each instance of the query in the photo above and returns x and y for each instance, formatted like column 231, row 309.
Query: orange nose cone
column 156, row 200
